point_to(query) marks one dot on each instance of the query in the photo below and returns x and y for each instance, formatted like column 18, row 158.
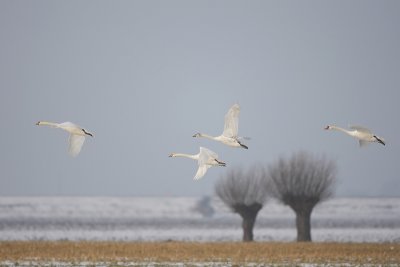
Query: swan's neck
column 209, row 136
column 195, row 157
column 46, row 123
column 341, row 130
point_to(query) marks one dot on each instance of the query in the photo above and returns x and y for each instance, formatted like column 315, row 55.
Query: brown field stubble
column 234, row 252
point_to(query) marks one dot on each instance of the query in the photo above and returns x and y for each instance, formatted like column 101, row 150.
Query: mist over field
column 183, row 219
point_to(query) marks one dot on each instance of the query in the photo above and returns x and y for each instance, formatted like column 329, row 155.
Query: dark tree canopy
column 302, row 182
column 303, row 178
column 245, row 193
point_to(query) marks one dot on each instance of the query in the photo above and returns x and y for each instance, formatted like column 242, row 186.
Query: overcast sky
column 144, row 76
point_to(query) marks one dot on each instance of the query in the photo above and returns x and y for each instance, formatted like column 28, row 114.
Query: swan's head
column 197, row 135
column 380, row 140
column 87, row 133
column 328, row 127
column 38, row 123
column 171, row 155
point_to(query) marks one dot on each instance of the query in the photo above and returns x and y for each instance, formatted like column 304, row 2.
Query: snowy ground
column 181, row 218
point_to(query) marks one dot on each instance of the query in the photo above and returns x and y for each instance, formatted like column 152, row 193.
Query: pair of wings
column 231, row 127
column 206, row 157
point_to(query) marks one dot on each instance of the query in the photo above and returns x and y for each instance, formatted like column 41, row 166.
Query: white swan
column 230, row 134
column 76, row 137
column 363, row 135
column 205, row 159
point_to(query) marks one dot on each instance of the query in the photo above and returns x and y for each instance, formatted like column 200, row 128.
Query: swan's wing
column 231, row 126
column 363, row 143
column 360, row 129
column 75, row 144
column 205, row 156
column 201, row 171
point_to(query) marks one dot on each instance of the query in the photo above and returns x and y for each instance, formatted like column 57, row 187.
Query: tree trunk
column 248, row 225
column 248, row 214
column 303, row 224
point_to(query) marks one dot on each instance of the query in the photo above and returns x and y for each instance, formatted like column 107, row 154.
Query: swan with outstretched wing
column 364, row 135
column 231, row 128
column 76, row 137
column 205, row 160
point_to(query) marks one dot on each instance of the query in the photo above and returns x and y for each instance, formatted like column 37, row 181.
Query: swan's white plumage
column 364, row 135
column 68, row 124
column 360, row 129
column 231, row 126
column 201, row 171
column 205, row 160
column 76, row 137
column 75, row 144
column 206, row 156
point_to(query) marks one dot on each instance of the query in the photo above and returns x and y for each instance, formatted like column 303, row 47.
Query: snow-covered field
column 190, row 219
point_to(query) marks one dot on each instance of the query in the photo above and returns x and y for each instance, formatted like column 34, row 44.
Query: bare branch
column 302, row 178
column 239, row 187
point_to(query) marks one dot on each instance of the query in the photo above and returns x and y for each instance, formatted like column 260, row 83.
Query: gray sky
column 144, row 76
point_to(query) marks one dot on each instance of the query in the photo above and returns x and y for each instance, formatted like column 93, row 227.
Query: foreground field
column 126, row 253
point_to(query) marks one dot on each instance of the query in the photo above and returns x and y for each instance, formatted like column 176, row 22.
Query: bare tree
column 302, row 182
column 204, row 207
column 245, row 193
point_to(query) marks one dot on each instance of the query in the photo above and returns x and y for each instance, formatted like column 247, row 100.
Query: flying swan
column 363, row 135
column 205, row 159
column 76, row 137
column 230, row 134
